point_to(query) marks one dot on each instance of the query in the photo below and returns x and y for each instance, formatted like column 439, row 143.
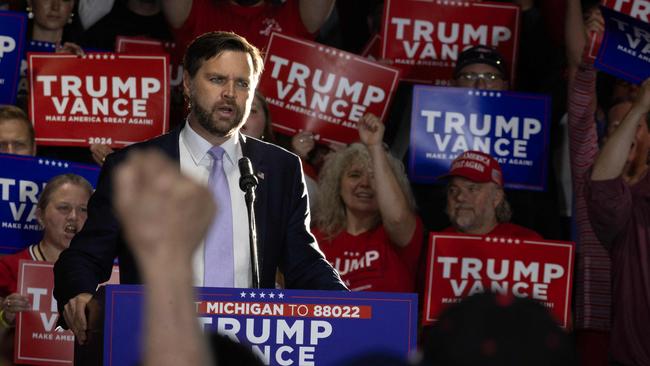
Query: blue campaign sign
column 283, row 327
column 625, row 49
column 512, row 127
column 21, row 180
column 13, row 27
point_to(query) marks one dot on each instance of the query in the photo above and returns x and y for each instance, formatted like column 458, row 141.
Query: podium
column 281, row 326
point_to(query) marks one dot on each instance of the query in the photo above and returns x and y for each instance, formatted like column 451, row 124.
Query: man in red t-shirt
column 476, row 202
column 254, row 20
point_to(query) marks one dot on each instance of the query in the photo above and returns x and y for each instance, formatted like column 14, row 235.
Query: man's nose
column 460, row 196
column 229, row 90
column 480, row 83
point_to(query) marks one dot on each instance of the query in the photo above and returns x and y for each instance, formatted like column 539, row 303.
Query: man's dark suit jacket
column 284, row 239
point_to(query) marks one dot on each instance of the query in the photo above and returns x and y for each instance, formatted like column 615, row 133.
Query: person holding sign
column 16, row 132
column 476, row 202
column 619, row 211
column 61, row 211
column 365, row 222
column 480, row 67
column 221, row 71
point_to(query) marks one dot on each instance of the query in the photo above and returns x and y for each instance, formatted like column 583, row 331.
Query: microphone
column 247, row 179
column 247, row 183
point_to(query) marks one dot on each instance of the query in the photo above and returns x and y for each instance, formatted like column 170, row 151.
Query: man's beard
column 206, row 119
column 463, row 221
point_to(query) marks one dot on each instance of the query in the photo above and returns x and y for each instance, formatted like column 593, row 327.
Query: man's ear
column 187, row 83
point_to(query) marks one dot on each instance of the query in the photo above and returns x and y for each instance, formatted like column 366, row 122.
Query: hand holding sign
column 303, row 143
column 100, row 152
column 13, row 304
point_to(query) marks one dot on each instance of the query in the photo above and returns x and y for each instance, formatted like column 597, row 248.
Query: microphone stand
column 248, row 183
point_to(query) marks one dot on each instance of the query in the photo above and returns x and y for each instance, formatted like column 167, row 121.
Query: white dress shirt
column 196, row 163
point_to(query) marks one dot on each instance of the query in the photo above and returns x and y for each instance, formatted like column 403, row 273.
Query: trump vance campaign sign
column 38, row 341
column 463, row 265
column 147, row 46
column 511, row 127
column 424, row 38
column 625, row 48
column 13, row 26
column 321, row 89
column 639, row 9
column 282, row 327
column 100, row 98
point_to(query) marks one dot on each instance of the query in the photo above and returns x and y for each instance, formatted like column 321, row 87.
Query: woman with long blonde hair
column 365, row 222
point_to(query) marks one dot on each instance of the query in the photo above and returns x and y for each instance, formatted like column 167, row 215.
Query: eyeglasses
column 488, row 77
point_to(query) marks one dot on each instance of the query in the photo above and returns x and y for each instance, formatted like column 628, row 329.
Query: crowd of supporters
column 360, row 197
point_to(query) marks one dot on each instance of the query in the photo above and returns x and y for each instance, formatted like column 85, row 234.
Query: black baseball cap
column 481, row 55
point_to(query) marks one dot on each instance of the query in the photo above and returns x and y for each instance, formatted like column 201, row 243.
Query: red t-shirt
column 506, row 229
column 254, row 23
column 9, row 270
column 369, row 262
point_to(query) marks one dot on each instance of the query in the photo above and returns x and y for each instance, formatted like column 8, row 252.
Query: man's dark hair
column 212, row 44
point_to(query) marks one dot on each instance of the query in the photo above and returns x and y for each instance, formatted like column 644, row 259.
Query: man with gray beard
column 476, row 202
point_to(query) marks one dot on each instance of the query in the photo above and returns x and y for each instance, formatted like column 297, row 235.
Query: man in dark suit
column 221, row 72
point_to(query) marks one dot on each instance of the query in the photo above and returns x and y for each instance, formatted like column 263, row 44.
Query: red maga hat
column 476, row 166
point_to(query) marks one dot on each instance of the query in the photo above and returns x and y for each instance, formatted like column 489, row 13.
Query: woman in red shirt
column 365, row 222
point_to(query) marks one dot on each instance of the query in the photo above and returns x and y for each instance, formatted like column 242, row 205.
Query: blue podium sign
column 22, row 178
column 625, row 49
column 283, row 327
column 511, row 127
column 13, row 27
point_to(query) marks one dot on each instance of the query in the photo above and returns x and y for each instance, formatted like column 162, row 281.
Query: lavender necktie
column 218, row 256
